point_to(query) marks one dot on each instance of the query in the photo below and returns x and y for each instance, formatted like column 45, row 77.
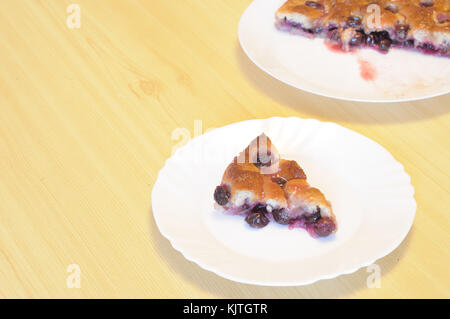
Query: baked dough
column 423, row 25
column 262, row 186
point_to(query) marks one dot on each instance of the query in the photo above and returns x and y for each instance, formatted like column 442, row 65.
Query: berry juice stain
column 333, row 47
column 337, row 48
column 367, row 71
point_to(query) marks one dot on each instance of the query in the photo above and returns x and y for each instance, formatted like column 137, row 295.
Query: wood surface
column 86, row 122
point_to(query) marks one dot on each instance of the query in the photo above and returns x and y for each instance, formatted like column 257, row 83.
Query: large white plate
column 371, row 196
column 309, row 65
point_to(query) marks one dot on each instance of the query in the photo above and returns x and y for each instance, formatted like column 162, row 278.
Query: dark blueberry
column 357, row 39
column 281, row 216
column 324, row 226
column 353, row 21
column 384, row 35
column 376, row 37
column 427, row 47
column 427, row 3
column 384, row 45
column 408, row 43
column 370, row 40
column 257, row 219
column 334, row 35
column 260, row 208
column 379, row 36
column 222, row 195
column 279, row 180
column 444, row 50
column 401, row 31
column 313, row 218
column 313, row 4
column 317, row 30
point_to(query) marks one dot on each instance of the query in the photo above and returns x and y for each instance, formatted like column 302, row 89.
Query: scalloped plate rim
column 188, row 256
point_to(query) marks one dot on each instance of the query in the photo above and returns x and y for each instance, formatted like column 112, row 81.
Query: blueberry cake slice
column 422, row 25
column 262, row 187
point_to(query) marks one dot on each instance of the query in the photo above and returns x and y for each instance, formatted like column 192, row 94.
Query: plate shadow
column 330, row 109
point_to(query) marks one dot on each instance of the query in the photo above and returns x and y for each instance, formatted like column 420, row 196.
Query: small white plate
column 370, row 193
column 309, row 65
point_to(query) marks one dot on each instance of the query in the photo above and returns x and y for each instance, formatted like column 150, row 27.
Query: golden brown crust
column 299, row 190
column 299, row 6
column 244, row 177
column 296, row 185
column 418, row 13
column 249, row 184
column 289, row 170
column 304, row 199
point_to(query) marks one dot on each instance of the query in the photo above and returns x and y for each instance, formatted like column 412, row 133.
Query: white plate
column 309, row 65
column 370, row 193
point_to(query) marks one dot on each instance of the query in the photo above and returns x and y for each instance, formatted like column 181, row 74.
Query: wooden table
column 87, row 116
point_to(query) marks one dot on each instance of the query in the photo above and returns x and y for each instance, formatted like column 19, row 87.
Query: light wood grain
column 86, row 122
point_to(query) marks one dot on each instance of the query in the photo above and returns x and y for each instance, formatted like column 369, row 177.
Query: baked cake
column 422, row 25
column 261, row 186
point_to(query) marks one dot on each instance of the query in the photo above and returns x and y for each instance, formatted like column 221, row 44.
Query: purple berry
column 384, row 45
column 260, row 208
column 334, row 35
column 357, row 39
column 257, row 219
column 222, row 195
column 428, row 47
column 427, row 3
column 353, row 21
column 281, row 216
column 383, row 35
column 317, row 30
column 324, row 226
column 370, row 40
column 408, row 43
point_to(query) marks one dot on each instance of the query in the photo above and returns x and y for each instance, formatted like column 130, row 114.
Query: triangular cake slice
column 261, row 186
